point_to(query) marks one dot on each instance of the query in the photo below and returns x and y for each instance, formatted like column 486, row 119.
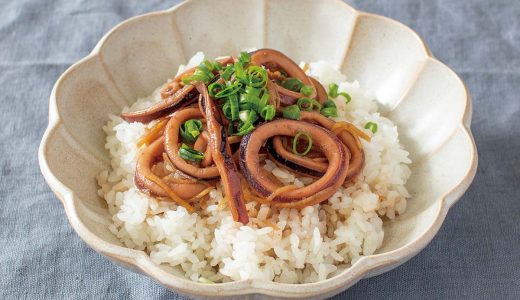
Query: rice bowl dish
column 286, row 245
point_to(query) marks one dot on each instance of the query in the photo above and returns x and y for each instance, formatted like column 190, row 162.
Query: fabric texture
column 476, row 254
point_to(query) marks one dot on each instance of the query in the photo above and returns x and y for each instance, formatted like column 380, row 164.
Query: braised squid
column 219, row 121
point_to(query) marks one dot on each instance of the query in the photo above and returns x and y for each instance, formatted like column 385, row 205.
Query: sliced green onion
column 347, row 97
column 239, row 72
column 329, row 103
column 371, row 126
column 196, row 76
column 306, row 90
column 292, row 84
column 252, row 91
column 190, row 130
column 233, row 104
column 211, row 66
column 333, row 90
column 244, row 128
column 263, row 101
column 329, row 109
column 248, row 116
column 189, row 154
column 217, row 66
column 268, row 112
column 247, row 105
column 329, row 112
column 244, row 58
column 292, row 112
column 214, row 88
column 226, row 109
column 228, row 71
column 308, row 104
column 249, row 100
column 203, row 73
column 206, row 67
column 244, row 115
column 257, row 76
column 229, row 90
column 206, row 63
column 295, row 143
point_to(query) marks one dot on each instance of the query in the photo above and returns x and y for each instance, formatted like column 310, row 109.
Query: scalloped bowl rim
column 366, row 266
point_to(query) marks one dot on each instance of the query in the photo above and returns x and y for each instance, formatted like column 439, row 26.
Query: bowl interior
column 423, row 97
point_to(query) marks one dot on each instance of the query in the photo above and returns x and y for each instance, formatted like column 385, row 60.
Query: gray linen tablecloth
column 475, row 255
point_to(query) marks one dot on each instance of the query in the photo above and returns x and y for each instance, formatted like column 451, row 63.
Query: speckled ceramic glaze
column 427, row 101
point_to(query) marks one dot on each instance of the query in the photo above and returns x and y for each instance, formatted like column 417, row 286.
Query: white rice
column 282, row 245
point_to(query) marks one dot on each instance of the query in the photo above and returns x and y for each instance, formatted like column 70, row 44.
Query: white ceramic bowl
column 427, row 101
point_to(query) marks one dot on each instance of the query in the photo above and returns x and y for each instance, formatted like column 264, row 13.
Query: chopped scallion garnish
column 189, row 154
column 371, row 126
column 196, row 76
column 346, row 96
column 244, row 128
column 333, row 92
column 292, row 112
column 308, row 104
column 296, row 140
column 306, row 90
column 329, row 103
column 249, row 100
column 329, row 112
column 240, row 74
column 292, row 84
column 190, row 130
column 257, row 76
column 233, row 104
column 214, row 88
column 226, row 110
column 252, row 91
column 247, row 116
column 244, row 58
column 268, row 112
column 263, row 101
column 217, row 66
column 228, row 71
column 329, row 109
column 203, row 72
column 230, row 89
